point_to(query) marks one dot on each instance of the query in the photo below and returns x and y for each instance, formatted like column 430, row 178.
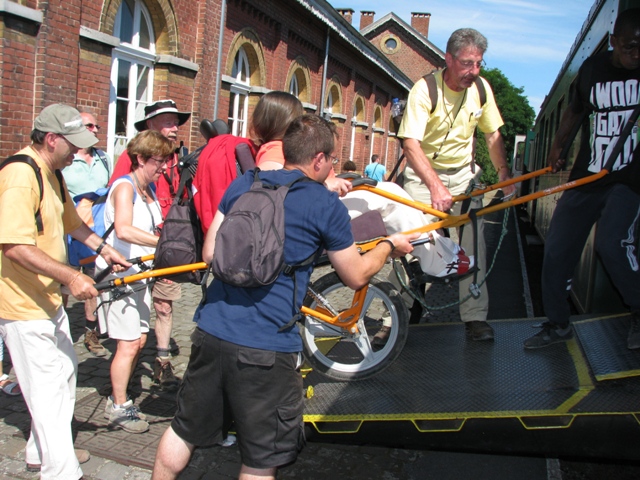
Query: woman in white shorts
column 133, row 209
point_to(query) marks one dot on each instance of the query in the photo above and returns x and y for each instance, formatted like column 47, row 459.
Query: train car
column 592, row 290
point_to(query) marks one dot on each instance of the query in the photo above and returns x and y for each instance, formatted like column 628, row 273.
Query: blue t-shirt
column 375, row 171
column 314, row 218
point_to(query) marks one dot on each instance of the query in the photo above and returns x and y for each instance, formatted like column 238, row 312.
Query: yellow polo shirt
column 25, row 295
column 449, row 130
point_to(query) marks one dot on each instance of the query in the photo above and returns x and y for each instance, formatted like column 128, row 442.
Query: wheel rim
column 336, row 349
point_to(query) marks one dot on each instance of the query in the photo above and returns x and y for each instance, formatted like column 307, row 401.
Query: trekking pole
column 162, row 272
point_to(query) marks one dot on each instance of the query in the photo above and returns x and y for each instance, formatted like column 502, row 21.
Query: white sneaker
column 461, row 265
column 230, row 441
column 109, row 406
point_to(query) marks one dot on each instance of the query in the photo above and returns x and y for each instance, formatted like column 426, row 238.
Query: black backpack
column 181, row 238
column 249, row 250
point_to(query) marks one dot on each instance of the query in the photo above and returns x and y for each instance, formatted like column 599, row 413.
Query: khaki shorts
column 165, row 289
column 128, row 317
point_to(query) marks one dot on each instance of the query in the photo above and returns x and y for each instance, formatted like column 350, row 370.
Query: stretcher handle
column 505, row 183
column 135, row 261
column 452, row 221
column 162, row 272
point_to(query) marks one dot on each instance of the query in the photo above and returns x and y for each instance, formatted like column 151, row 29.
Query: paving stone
column 112, row 471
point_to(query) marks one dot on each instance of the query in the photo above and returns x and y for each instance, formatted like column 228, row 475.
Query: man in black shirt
column 604, row 94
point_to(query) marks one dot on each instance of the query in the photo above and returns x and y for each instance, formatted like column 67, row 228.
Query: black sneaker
column 633, row 340
column 549, row 335
column 163, row 375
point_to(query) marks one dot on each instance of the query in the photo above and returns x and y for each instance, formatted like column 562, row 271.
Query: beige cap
column 66, row 121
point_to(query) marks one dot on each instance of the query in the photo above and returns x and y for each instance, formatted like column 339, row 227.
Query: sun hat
column 66, row 121
column 157, row 108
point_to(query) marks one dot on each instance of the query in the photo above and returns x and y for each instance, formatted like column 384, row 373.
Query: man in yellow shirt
column 34, row 218
column 439, row 150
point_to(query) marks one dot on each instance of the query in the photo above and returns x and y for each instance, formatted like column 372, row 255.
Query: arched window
column 299, row 80
column 131, row 73
column 239, row 101
column 334, row 103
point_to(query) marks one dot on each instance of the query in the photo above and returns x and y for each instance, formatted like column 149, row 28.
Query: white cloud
column 528, row 40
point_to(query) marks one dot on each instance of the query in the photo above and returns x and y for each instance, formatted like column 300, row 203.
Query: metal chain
column 422, row 300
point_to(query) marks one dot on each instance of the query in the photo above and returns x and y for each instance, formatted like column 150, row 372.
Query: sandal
column 9, row 387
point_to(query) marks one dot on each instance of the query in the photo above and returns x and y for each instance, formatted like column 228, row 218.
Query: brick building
column 215, row 58
column 407, row 46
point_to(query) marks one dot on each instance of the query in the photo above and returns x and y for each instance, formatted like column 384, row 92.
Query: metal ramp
column 441, row 381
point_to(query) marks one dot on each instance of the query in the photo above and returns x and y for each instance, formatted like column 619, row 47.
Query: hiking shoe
column 126, row 417
column 93, row 344
column 461, row 265
column 109, row 406
column 83, row 456
column 478, row 330
column 163, row 375
column 380, row 338
column 633, row 340
column 549, row 335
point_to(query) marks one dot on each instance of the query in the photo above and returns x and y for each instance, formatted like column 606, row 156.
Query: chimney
column 420, row 22
column 347, row 13
column 366, row 18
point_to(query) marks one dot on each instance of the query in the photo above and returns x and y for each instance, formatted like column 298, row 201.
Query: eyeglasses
column 333, row 159
column 91, row 126
column 469, row 64
column 170, row 162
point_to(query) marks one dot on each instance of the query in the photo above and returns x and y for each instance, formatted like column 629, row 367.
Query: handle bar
column 136, row 260
column 162, row 272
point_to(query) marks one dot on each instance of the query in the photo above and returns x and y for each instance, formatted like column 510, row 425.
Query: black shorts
column 260, row 390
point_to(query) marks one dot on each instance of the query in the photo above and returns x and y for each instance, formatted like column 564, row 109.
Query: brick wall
column 51, row 62
column 411, row 57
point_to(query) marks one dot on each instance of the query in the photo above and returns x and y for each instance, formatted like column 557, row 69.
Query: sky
column 528, row 39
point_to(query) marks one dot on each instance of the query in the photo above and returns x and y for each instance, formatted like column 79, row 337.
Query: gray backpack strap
column 103, row 159
column 481, row 90
column 433, row 90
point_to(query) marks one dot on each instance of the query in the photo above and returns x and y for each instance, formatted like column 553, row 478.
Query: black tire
column 337, row 354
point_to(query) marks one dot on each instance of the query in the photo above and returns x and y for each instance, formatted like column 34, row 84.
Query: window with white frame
column 239, row 100
column 294, row 87
column 330, row 101
column 131, row 73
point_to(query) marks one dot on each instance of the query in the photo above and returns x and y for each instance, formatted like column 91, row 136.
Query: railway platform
column 446, row 409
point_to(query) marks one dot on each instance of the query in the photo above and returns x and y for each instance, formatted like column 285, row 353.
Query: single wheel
column 341, row 355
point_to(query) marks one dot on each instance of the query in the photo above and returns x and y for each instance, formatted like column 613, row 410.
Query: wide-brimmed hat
column 157, row 108
column 66, row 121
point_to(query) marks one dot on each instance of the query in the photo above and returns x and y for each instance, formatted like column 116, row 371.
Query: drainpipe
column 223, row 10
column 324, row 74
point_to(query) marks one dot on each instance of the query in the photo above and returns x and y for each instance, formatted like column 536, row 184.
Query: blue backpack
column 90, row 207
